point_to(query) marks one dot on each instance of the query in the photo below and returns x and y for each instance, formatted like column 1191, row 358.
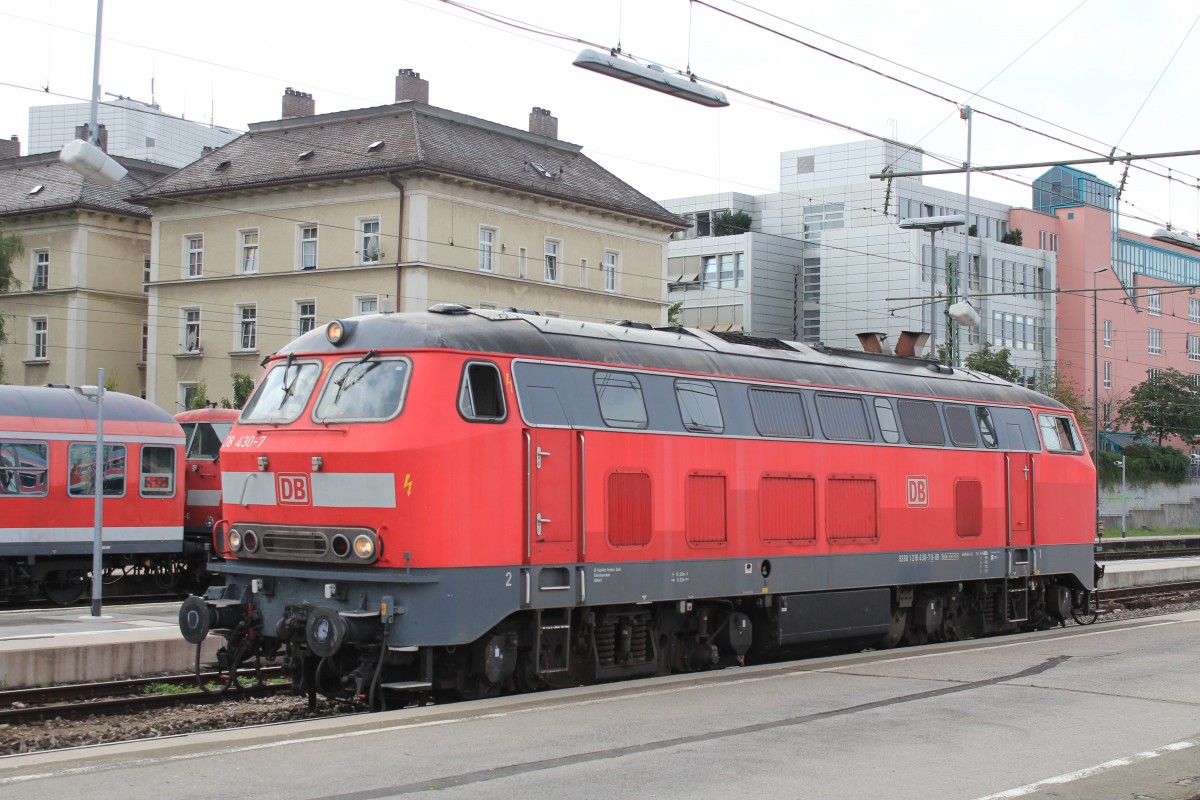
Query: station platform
column 67, row 645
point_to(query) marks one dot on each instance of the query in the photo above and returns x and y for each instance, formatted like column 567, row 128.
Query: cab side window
column 481, row 396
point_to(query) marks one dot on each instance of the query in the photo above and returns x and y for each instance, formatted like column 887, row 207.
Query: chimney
column 10, row 148
column 298, row 104
column 411, row 86
column 81, row 133
column 543, row 123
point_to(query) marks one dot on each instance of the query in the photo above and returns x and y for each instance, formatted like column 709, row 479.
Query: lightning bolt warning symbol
column 408, row 483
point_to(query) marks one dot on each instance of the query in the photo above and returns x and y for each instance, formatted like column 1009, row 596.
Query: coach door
column 1020, row 497
column 552, row 523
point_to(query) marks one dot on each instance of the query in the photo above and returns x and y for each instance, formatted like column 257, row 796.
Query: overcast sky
column 1085, row 65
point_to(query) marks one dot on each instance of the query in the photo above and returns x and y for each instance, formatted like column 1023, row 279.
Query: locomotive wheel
column 64, row 587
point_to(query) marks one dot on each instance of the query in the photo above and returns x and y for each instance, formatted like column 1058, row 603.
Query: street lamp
column 1096, row 389
column 96, row 394
column 685, row 87
column 87, row 158
column 933, row 225
column 1124, row 499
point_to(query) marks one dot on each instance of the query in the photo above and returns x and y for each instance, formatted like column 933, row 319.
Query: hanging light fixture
column 651, row 77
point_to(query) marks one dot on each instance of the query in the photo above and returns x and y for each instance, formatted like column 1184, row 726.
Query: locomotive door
column 552, row 519
column 1020, row 496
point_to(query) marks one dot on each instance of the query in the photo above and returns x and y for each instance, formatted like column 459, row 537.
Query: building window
column 366, row 305
column 974, row 274
column 1194, row 348
column 1153, row 373
column 248, row 258
column 583, row 273
column 1154, row 345
column 369, row 248
column 306, row 316
column 610, row 270
column 1193, row 310
column 308, row 247
column 41, row 269
column 1108, row 333
column 552, row 246
column 487, row 249
column 1107, row 374
column 1154, row 302
column 145, row 340
column 191, row 331
column 523, row 262
column 1195, row 379
column 1108, row 415
column 1042, row 240
column 708, row 271
column 187, row 395
column 1054, row 242
column 146, row 274
column 39, row 338
column 247, row 317
column 195, row 255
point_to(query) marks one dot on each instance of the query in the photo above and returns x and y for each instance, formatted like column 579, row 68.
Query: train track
column 19, row 706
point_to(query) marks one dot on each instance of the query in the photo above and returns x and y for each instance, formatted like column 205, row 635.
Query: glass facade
column 1065, row 186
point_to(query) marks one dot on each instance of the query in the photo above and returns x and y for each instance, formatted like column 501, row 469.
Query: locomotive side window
column 887, row 420
column 481, row 396
column 158, row 471
column 778, row 413
column 365, row 389
column 843, row 417
column 962, row 429
column 1059, row 434
column 205, row 440
column 81, row 481
column 23, row 468
column 282, row 394
column 987, row 429
column 699, row 407
column 922, row 424
column 621, row 401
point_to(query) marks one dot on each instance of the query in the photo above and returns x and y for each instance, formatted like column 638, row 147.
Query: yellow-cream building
column 315, row 217
column 79, row 305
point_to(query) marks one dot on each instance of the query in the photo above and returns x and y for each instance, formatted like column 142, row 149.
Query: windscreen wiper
column 350, row 378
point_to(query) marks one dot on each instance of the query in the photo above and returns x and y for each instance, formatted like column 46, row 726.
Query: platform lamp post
column 1124, row 499
column 1096, row 390
column 96, row 394
column 87, row 158
column 933, row 225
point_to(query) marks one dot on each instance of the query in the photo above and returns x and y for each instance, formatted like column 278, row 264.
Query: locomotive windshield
column 369, row 388
column 283, row 393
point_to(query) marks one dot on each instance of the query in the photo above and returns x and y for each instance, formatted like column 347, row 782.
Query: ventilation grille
column 295, row 544
column 787, row 510
column 628, row 509
column 852, row 509
column 705, row 515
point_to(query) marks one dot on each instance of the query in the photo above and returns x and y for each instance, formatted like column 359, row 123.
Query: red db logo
column 292, row 489
column 918, row 491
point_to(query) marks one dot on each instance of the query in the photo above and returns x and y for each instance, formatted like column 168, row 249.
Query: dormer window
column 306, row 155
column 37, row 188
column 224, row 165
column 544, row 172
column 375, row 147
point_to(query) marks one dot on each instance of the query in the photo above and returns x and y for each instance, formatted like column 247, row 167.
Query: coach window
column 81, row 481
column 23, row 468
column 283, row 393
column 699, row 407
column 778, row 413
column 621, row 402
column 921, row 422
column 1058, row 434
column 887, row 420
column 158, row 471
column 481, row 396
column 843, row 417
column 987, row 429
column 962, row 430
column 367, row 389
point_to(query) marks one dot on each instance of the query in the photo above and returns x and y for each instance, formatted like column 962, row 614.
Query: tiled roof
column 413, row 136
column 63, row 187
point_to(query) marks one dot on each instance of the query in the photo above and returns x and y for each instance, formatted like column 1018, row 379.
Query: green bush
column 1144, row 464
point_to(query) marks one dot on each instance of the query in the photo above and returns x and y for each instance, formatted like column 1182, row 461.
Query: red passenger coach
column 481, row 501
column 47, row 488
column 204, row 429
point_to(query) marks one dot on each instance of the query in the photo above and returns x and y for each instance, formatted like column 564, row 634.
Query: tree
column 243, row 385
column 1014, row 236
column 726, row 223
column 200, row 398
column 993, row 363
column 11, row 248
column 1161, row 406
column 1054, row 383
column 674, row 313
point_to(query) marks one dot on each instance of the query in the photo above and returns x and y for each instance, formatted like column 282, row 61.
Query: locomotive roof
column 673, row 349
column 63, row 402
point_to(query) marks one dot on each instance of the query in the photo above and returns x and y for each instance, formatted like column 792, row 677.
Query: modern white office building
column 135, row 130
column 826, row 259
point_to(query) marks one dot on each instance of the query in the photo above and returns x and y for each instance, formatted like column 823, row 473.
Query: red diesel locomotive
column 477, row 501
column 47, row 489
column 204, row 429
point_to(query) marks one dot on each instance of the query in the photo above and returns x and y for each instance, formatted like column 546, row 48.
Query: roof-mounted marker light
column 338, row 331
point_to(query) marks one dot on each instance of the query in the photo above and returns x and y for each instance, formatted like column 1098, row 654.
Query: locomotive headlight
column 364, row 547
column 235, row 540
column 338, row 331
column 250, row 541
